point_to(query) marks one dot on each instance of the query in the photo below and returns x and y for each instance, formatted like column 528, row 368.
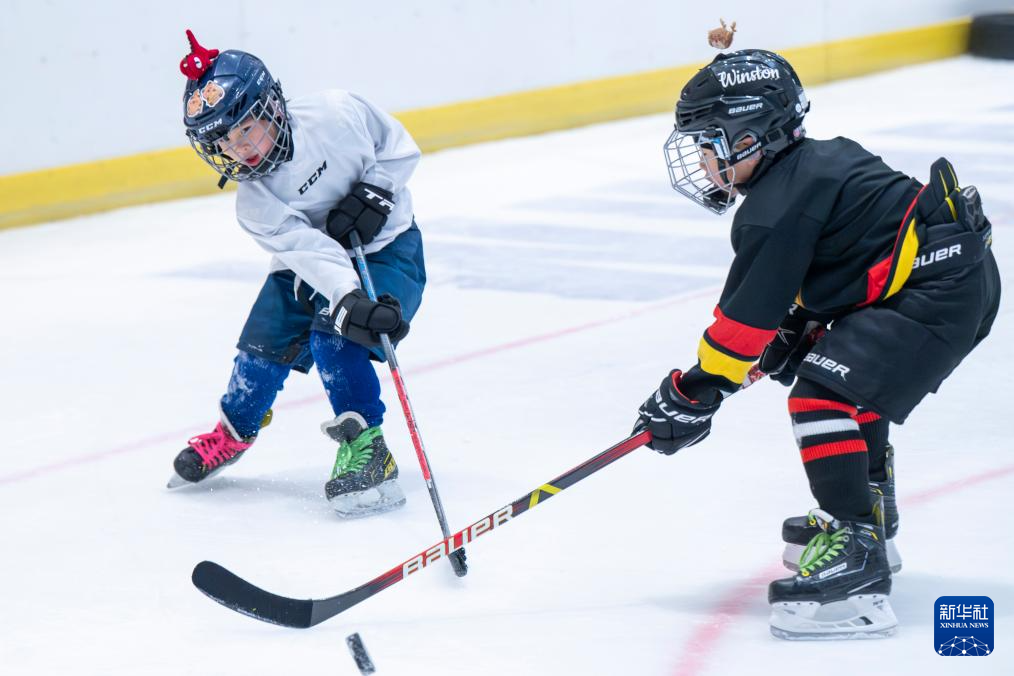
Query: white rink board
column 100, row 79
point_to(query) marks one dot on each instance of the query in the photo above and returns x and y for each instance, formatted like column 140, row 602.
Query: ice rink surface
column 566, row 279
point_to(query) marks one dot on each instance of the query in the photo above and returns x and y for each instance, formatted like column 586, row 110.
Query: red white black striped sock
column 833, row 450
column 874, row 429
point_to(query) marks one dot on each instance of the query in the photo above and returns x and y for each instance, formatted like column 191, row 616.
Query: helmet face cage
column 689, row 173
column 223, row 150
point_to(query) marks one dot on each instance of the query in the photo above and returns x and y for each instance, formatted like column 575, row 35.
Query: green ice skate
column 364, row 480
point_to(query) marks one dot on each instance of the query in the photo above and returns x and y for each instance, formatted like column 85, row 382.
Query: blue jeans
column 287, row 331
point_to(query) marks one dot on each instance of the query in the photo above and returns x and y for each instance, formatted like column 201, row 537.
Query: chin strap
column 775, row 143
column 725, row 165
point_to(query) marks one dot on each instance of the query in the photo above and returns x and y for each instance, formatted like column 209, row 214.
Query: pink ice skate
column 208, row 454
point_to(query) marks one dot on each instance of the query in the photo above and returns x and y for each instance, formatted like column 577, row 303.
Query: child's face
column 249, row 142
column 724, row 178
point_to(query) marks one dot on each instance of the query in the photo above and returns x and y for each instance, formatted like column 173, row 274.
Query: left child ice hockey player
column 871, row 285
column 310, row 171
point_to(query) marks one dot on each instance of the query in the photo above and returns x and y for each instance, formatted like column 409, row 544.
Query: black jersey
column 827, row 226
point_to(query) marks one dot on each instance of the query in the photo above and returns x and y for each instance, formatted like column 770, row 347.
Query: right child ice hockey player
column 871, row 285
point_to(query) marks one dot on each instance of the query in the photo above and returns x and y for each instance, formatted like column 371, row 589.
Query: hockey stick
column 236, row 593
column 457, row 558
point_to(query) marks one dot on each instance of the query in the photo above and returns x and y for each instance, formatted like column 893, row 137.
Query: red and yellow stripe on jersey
column 729, row 348
column 887, row 277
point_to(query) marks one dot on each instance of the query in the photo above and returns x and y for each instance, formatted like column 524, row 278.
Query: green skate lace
column 821, row 548
column 354, row 455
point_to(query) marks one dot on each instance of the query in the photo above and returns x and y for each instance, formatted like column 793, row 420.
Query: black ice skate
column 797, row 531
column 842, row 588
column 364, row 480
column 884, row 487
column 208, row 454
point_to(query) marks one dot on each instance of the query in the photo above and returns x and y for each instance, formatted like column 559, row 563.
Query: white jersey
column 339, row 139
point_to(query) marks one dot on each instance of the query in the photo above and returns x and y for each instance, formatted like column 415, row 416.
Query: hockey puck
column 359, row 654
column 458, row 562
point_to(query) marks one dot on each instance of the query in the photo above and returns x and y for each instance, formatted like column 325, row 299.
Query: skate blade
column 384, row 497
column 864, row 616
column 792, row 553
column 176, row 481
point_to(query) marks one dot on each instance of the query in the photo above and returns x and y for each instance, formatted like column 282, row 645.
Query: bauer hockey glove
column 362, row 320
column 674, row 420
column 795, row 338
column 364, row 210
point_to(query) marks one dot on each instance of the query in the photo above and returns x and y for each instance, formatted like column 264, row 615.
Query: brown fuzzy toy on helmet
column 721, row 38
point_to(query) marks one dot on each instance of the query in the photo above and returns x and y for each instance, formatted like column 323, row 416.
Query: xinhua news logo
column 963, row 626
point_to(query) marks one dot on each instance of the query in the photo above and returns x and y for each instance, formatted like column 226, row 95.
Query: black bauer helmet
column 750, row 93
column 237, row 92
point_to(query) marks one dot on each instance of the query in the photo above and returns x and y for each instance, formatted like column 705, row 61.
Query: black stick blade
column 237, row 594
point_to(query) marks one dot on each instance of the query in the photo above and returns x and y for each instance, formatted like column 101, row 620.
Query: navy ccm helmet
column 750, row 93
column 229, row 107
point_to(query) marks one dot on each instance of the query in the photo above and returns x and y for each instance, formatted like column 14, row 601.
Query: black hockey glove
column 362, row 320
column 674, row 421
column 364, row 210
column 795, row 338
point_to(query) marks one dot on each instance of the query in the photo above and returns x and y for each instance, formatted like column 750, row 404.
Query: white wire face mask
column 266, row 118
column 689, row 174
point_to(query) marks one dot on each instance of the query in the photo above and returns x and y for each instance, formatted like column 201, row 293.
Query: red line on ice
column 703, row 642
column 181, row 434
column 94, row 457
